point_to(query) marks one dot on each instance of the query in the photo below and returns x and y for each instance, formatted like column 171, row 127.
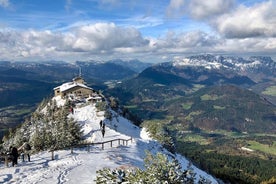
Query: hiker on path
column 25, row 148
column 103, row 132
column 14, row 154
column 101, row 124
column 103, row 128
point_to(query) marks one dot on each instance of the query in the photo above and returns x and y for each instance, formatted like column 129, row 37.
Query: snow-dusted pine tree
column 48, row 128
column 159, row 169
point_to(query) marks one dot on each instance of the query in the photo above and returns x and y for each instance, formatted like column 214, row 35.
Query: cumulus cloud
column 16, row 45
column 248, row 22
column 107, row 36
column 249, row 46
column 228, row 19
column 175, row 8
column 183, row 43
column 4, row 3
column 96, row 38
column 107, row 40
column 198, row 9
column 188, row 40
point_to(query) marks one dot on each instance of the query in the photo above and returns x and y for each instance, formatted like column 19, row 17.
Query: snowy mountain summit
column 252, row 66
column 80, row 166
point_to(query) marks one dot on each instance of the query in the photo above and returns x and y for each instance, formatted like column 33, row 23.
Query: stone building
column 76, row 89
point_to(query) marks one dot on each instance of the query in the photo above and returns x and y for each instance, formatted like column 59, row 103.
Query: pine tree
column 75, row 133
column 66, row 132
column 37, row 140
column 47, row 128
column 106, row 175
column 159, row 169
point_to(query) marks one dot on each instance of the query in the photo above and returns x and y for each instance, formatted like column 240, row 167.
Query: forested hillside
column 209, row 114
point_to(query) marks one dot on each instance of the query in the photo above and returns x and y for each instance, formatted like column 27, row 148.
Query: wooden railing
column 123, row 142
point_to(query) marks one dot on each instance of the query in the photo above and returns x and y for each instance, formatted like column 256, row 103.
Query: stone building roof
column 69, row 85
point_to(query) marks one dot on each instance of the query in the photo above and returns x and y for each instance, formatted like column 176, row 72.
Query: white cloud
column 28, row 44
column 246, row 22
column 107, row 36
column 93, row 39
column 250, row 46
column 109, row 41
column 175, row 8
column 4, row 3
column 199, row 9
column 190, row 40
column 228, row 19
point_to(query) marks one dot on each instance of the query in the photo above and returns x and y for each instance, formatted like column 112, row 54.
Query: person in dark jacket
column 101, row 123
column 103, row 126
column 14, row 154
column 103, row 129
column 103, row 132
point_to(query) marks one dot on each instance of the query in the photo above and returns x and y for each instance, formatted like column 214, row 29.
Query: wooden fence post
column 53, row 158
column 72, row 150
column 6, row 161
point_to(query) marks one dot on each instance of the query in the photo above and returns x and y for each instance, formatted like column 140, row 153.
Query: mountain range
column 261, row 70
column 218, row 111
column 22, row 80
column 258, row 68
column 201, row 106
column 215, row 87
column 27, row 83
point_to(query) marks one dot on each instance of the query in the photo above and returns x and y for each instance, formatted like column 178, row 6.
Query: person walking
column 14, row 154
column 103, row 132
column 103, row 126
column 25, row 148
column 101, row 123
column 103, row 129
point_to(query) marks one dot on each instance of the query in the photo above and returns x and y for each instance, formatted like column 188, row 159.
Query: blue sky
column 148, row 30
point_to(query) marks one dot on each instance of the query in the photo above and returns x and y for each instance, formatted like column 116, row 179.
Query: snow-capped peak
column 232, row 63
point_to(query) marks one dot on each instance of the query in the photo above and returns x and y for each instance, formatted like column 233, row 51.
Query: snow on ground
column 81, row 165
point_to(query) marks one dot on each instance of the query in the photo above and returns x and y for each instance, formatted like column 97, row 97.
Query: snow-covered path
column 81, row 166
column 90, row 119
column 66, row 168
